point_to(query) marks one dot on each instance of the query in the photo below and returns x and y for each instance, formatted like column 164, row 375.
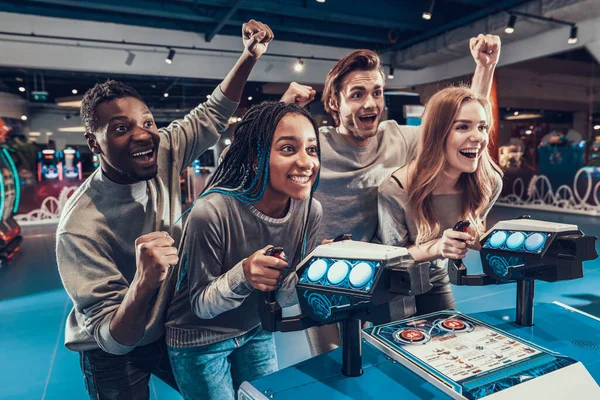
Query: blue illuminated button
column 515, row 240
column 337, row 272
column 361, row 274
column 316, row 270
column 535, row 241
column 498, row 239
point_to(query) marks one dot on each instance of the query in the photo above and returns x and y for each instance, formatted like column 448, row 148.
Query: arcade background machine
column 448, row 353
column 48, row 165
column 69, row 165
column 10, row 195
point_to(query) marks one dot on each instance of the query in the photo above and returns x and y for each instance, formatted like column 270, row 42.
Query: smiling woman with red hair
column 452, row 178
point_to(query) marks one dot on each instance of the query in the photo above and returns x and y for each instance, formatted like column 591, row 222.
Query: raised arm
column 201, row 128
column 256, row 37
column 485, row 50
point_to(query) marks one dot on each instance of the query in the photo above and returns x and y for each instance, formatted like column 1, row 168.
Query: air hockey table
column 558, row 328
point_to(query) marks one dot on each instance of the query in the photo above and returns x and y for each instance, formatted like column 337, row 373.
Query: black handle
column 460, row 226
column 274, row 251
column 343, row 236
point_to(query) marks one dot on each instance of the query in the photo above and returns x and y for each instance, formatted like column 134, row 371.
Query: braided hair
column 244, row 171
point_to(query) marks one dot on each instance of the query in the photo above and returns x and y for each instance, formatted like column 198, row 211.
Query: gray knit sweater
column 351, row 175
column 99, row 225
column 213, row 300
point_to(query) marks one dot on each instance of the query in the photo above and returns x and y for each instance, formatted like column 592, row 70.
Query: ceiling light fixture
column 21, row 89
column 169, row 59
column 510, row 27
column 166, row 94
column 573, row 35
column 299, row 66
column 130, row 58
column 74, row 91
column 391, row 73
column 429, row 13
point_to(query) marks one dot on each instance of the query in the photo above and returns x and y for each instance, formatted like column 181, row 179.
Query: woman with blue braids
column 259, row 196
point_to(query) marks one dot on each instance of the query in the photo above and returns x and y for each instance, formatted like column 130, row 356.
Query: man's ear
column 92, row 143
column 333, row 104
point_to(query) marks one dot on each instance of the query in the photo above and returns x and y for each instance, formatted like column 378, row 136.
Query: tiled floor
column 34, row 364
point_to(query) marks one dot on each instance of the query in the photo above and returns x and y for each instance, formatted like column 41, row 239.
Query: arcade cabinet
column 48, row 165
column 10, row 195
column 441, row 354
column 70, row 165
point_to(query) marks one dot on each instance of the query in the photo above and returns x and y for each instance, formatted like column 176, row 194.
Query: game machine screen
column 48, row 165
column 71, row 165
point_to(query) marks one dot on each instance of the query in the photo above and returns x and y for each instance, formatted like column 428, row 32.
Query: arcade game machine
column 69, row 165
column 48, row 167
column 10, row 195
column 442, row 354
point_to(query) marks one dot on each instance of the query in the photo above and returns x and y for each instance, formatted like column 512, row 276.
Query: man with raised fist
column 114, row 253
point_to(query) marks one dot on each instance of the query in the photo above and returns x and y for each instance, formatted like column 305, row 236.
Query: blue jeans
column 217, row 370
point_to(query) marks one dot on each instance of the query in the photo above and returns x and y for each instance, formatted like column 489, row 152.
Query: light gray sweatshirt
column 351, row 175
column 95, row 238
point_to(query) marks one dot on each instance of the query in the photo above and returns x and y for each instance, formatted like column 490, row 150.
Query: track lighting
column 130, row 58
column 169, row 59
column 429, row 13
column 510, row 27
column 573, row 35
column 299, row 66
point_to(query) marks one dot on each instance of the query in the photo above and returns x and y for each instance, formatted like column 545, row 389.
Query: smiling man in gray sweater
column 113, row 250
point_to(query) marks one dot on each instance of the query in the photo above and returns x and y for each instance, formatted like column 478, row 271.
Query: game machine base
column 448, row 353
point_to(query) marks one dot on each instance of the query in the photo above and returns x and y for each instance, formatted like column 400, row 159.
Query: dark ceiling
column 377, row 24
column 382, row 25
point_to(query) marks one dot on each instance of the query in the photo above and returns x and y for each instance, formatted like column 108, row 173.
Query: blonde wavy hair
column 478, row 187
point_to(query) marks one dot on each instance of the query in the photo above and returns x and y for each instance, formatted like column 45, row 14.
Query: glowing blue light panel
column 523, row 242
column 515, row 240
column 535, row 241
column 498, row 239
column 344, row 274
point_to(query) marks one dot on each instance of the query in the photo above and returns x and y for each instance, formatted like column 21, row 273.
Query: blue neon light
column 361, row 274
column 317, row 270
column 515, row 240
column 535, row 241
column 344, row 274
column 498, row 239
column 2, row 194
column 338, row 272
column 16, row 179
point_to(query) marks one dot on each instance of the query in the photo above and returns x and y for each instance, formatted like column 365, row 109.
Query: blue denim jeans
column 217, row 370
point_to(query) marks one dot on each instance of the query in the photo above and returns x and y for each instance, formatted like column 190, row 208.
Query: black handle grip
column 343, row 236
column 460, row 226
column 274, row 251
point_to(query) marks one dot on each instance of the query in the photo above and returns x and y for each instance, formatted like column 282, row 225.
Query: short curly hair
column 101, row 92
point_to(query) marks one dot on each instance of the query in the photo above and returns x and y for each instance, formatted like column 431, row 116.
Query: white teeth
column 475, row 151
column 142, row 153
column 300, row 179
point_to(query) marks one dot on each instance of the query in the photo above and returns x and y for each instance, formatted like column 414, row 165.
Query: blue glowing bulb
column 498, row 239
column 361, row 274
column 337, row 272
column 515, row 240
column 535, row 242
column 316, row 270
